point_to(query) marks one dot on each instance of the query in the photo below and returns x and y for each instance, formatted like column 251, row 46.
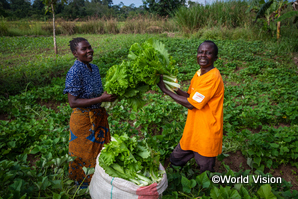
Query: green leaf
column 234, row 195
column 24, row 196
column 56, row 184
column 187, row 184
column 56, row 196
column 275, row 152
column 45, row 183
column 263, row 10
column 203, row 180
column 284, row 149
column 56, row 140
column 57, row 162
column 257, row 160
column 11, row 144
column 265, row 192
column 215, row 194
column 287, row 15
column 243, row 192
column 88, row 171
column 16, row 186
column 269, row 163
column 35, row 150
column 274, row 145
column 132, row 116
column 131, row 92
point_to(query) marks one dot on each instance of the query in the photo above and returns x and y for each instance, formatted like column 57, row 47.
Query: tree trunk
column 278, row 25
column 54, row 30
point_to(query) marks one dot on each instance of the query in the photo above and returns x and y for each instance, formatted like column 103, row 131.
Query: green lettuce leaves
column 131, row 79
column 130, row 159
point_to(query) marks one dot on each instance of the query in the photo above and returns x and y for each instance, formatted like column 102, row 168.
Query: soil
column 3, row 116
column 295, row 59
column 32, row 159
column 50, row 105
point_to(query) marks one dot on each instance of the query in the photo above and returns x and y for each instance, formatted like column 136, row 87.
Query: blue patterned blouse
column 81, row 82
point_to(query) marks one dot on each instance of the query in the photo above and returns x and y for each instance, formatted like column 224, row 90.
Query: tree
column 38, row 8
column 20, row 8
column 162, row 7
column 192, row 3
column 4, row 5
column 50, row 7
column 290, row 14
column 270, row 10
column 107, row 2
column 75, row 9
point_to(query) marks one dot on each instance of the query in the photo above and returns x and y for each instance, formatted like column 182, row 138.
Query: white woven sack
column 103, row 186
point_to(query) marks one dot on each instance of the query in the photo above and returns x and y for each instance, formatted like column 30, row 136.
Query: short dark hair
column 74, row 43
column 214, row 46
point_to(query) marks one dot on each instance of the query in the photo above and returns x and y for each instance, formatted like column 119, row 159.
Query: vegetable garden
column 260, row 117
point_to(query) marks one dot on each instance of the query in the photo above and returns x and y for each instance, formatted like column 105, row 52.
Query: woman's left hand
column 108, row 97
column 161, row 84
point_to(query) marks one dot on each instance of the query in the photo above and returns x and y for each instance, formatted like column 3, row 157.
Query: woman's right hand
column 108, row 97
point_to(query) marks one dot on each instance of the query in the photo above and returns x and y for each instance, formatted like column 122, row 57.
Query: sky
column 140, row 2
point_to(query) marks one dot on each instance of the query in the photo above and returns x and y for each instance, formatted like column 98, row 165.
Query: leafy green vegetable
column 130, row 159
column 131, row 79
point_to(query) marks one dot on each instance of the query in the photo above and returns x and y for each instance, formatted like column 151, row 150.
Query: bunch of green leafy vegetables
column 132, row 78
column 131, row 159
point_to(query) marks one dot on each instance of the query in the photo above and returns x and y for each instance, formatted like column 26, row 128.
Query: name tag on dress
column 198, row 97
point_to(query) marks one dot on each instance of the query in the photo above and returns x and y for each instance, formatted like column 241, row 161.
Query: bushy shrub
column 111, row 26
column 3, row 27
column 93, row 25
column 67, row 27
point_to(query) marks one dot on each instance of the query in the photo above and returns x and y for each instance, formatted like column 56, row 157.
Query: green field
column 260, row 116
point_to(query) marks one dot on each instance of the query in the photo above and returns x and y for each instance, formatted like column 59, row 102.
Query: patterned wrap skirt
column 89, row 131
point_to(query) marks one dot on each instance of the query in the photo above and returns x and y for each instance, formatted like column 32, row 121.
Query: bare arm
column 76, row 102
column 182, row 93
column 180, row 99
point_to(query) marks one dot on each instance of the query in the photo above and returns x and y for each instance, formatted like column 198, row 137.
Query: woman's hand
column 108, row 97
column 161, row 84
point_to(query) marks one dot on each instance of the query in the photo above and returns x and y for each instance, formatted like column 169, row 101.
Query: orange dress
column 89, row 131
column 203, row 130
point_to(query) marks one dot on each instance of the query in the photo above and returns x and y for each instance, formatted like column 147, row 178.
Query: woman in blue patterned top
column 89, row 128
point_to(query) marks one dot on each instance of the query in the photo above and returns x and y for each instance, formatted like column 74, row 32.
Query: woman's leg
column 205, row 163
column 180, row 157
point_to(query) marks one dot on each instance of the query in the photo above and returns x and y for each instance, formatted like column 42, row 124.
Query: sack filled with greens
column 131, row 159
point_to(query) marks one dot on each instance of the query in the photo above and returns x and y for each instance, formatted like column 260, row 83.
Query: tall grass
column 191, row 19
column 93, row 25
column 66, row 27
column 3, row 27
column 147, row 24
column 111, row 26
column 230, row 14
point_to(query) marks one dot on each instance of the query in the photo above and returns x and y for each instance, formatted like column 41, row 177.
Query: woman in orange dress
column 203, row 131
